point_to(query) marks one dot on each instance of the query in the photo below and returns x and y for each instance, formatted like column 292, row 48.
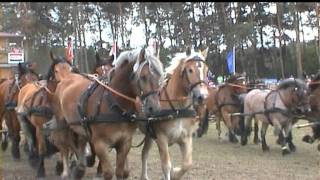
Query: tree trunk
column 279, row 19
column 298, row 46
column 98, row 14
column 75, row 25
column 318, row 25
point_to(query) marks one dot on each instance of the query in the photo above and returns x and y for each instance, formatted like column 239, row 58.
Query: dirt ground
column 213, row 159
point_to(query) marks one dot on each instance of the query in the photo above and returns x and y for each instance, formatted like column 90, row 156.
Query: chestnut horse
column 277, row 107
column 108, row 121
column 9, row 90
column 35, row 109
column 223, row 101
column 184, row 91
column 314, row 87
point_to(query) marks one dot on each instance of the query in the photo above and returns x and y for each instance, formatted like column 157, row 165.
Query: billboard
column 15, row 58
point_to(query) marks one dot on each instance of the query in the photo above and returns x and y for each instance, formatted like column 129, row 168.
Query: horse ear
column 205, row 53
column 52, row 56
column 188, row 51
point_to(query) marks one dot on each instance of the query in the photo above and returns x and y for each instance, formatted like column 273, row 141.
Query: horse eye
column 144, row 78
column 190, row 71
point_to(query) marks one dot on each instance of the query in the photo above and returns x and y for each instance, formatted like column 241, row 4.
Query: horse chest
column 179, row 130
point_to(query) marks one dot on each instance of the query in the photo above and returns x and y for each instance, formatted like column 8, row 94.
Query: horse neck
column 65, row 74
column 121, row 83
column 175, row 89
column 285, row 97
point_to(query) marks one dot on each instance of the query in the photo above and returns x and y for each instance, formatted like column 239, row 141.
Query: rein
column 95, row 78
column 237, row 85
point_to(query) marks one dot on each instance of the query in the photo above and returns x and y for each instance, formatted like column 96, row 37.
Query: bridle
column 136, row 76
column 193, row 85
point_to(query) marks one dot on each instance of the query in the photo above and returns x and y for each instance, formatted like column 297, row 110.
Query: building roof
column 5, row 34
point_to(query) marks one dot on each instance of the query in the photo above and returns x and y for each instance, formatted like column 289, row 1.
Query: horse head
column 59, row 68
column 296, row 95
column 145, row 76
column 238, row 83
column 193, row 72
column 26, row 73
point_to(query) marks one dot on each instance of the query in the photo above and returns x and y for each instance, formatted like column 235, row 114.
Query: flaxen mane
column 155, row 64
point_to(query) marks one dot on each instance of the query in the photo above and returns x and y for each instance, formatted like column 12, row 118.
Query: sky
column 138, row 38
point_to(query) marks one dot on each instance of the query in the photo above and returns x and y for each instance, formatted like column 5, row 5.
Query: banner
column 231, row 61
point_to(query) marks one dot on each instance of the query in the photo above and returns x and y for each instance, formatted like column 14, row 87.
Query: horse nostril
column 150, row 109
column 200, row 98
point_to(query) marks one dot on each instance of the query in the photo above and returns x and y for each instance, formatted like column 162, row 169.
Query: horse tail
column 204, row 124
column 30, row 133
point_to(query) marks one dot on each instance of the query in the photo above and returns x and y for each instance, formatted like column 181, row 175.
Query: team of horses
column 70, row 112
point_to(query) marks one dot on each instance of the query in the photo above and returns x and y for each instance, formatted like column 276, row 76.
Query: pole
column 234, row 60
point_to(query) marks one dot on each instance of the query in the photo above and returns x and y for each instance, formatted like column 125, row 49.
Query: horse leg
column 163, row 147
column 288, row 139
column 256, row 139
column 227, row 120
column 186, row 150
column 122, row 159
column 14, row 134
column 92, row 157
column 144, row 157
column 29, row 133
column 264, row 128
column 100, row 149
column 41, row 148
column 59, row 165
column 218, row 126
column 292, row 147
column 247, row 130
column 4, row 135
column 65, row 160
column 79, row 170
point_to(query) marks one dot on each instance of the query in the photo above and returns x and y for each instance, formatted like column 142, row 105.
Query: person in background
column 69, row 51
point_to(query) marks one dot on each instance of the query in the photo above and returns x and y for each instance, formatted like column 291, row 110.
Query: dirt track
column 212, row 159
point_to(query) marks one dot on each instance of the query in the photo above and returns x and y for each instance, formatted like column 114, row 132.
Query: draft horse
column 223, row 101
column 314, row 114
column 9, row 90
column 182, row 93
column 278, row 108
column 109, row 120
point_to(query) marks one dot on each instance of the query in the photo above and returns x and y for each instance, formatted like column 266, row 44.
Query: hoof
column 285, row 152
column 77, row 172
column 292, row 147
column 59, row 168
column 4, row 145
column 15, row 152
column 256, row 141
column 41, row 174
column 244, row 141
column 307, row 139
column 26, row 148
column 265, row 148
column 90, row 161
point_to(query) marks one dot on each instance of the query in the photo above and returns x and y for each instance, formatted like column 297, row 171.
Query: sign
column 15, row 57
